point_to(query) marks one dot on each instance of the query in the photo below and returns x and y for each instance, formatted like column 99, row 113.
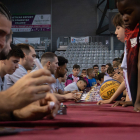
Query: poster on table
column 31, row 23
column 35, row 40
column 80, row 39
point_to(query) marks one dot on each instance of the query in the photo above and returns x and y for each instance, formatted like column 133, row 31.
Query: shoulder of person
column 70, row 77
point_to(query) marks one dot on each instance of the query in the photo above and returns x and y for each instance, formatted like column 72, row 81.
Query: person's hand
column 74, row 91
column 122, row 103
column 49, row 98
column 123, row 98
column 70, row 96
column 118, row 77
column 103, row 102
column 78, row 95
column 26, row 90
column 39, row 109
column 137, row 107
column 83, row 75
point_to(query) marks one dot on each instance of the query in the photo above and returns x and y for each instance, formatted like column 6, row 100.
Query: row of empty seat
column 87, row 55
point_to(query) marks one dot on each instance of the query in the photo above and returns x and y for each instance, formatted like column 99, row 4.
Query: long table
column 83, row 121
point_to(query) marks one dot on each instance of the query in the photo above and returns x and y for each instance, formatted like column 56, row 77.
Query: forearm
column 124, row 93
column 127, row 97
column 60, row 97
column 66, row 92
column 128, row 103
column 60, row 92
column 6, row 105
column 118, row 92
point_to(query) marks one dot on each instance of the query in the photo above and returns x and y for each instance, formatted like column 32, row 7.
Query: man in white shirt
column 9, row 65
column 25, row 64
column 57, row 67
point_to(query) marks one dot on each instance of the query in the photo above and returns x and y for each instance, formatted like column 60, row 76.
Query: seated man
column 60, row 72
column 9, row 65
column 80, row 85
column 61, row 86
column 37, row 107
column 62, row 79
column 25, row 64
column 50, row 61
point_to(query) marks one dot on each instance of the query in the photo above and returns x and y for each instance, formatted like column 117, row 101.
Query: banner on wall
column 35, row 40
column 80, row 39
column 31, row 23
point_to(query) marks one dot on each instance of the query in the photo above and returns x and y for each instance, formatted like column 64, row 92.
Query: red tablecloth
column 83, row 121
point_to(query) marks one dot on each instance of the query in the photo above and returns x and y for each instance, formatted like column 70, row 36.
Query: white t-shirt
column 75, row 79
column 107, row 78
column 71, row 87
column 55, row 86
column 19, row 73
column 124, row 66
column 3, row 84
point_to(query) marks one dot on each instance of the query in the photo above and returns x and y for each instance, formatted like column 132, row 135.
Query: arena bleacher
column 88, row 54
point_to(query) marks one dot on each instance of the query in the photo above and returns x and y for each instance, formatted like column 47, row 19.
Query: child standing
column 91, row 77
column 130, row 11
column 96, row 70
column 74, row 77
column 103, row 69
column 84, row 73
column 120, row 33
column 116, row 67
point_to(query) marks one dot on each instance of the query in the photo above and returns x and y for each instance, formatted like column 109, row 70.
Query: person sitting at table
column 61, row 87
column 61, row 80
column 80, row 85
column 31, row 111
column 57, row 66
column 25, row 64
column 9, row 65
column 41, row 108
